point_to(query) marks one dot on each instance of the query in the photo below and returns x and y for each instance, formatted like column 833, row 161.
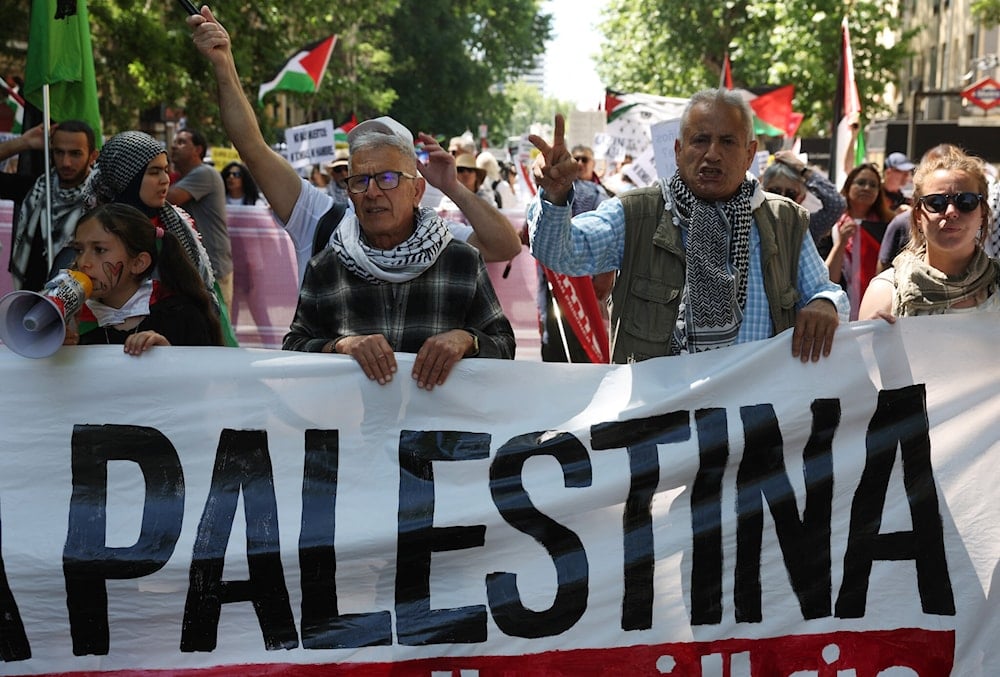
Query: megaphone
column 33, row 324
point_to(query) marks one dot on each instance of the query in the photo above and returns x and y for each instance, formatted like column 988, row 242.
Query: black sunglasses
column 238, row 175
column 583, row 158
column 938, row 202
column 790, row 193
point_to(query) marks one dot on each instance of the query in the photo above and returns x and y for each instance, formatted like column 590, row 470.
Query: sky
column 569, row 68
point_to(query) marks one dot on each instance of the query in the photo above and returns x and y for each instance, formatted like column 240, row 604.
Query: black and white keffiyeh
column 67, row 207
column 400, row 264
column 117, row 177
column 717, row 261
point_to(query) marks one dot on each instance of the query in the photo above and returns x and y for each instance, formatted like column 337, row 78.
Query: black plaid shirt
column 454, row 293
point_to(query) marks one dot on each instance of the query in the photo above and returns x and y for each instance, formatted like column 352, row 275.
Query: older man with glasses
column 393, row 278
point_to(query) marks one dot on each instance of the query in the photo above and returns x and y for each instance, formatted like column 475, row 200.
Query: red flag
column 578, row 304
column 727, row 74
column 775, row 107
column 348, row 125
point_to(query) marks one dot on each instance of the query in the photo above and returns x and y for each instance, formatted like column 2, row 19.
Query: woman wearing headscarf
column 133, row 169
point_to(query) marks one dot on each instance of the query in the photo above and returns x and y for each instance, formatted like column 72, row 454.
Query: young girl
column 119, row 249
column 133, row 169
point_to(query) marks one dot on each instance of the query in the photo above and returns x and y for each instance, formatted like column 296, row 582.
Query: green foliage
column 450, row 56
column 529, row 107
column 676, row 49
column 433, row 64
column 987, row 11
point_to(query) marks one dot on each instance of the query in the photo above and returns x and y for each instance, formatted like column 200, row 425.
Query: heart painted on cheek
column 113, row 271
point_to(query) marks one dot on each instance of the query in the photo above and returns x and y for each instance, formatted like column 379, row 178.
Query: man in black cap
column 898, row 172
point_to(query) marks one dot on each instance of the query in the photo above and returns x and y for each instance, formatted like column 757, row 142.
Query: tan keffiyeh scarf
column 923, row 290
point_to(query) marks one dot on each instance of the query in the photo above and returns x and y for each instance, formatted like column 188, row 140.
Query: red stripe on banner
column 926, row 652
column 578, row 303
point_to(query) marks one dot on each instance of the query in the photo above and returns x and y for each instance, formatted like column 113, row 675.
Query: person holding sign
column 706, row 258
column 393, row 278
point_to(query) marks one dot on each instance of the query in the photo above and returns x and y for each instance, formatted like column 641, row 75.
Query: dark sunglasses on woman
column 937, row 203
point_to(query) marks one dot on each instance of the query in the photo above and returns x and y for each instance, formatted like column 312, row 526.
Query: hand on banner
column 438, row 355
column 372, row 352
column 554, row 168
column 137, row 344
column 815, row 326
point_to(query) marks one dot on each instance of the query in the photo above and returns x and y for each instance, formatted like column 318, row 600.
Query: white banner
column 729, row 513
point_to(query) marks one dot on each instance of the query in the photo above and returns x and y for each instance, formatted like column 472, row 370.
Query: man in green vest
column 706, row 258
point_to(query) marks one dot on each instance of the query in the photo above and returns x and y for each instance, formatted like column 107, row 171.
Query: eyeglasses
column 865, row 183
column 583, row 158
column 938, row 202
column 384, row 180
column 233, row 174
column 790, row 193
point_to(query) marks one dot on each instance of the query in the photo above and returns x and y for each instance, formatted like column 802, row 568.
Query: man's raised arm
column 492, row 233
column 277, row 179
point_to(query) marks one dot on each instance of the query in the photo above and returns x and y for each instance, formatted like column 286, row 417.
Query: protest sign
column 310, row 144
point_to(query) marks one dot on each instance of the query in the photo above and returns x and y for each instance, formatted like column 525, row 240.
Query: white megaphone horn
column 33, row 324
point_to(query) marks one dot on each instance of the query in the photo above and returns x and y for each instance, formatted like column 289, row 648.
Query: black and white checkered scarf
column 718, row 258
column 401, row 264
column 117, row 177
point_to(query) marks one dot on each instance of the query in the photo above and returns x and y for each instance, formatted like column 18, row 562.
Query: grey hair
column 721, row 97
column 372, row 139
column 779, row 170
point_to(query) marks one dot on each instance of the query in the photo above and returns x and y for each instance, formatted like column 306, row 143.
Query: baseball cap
column 899, row 161
column 381, row 125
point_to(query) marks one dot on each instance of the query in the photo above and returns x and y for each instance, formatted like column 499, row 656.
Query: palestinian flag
column 846, row 108
column 304, row 71
column 773, row 114
column 16, row 104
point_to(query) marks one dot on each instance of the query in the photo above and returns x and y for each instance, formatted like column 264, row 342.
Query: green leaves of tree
column 675, row 49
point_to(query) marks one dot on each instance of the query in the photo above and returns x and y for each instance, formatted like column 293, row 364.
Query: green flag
column 60, row 55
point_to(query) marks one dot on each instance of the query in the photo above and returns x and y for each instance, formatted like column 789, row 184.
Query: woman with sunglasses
column 943, row 268
column 241, row 189
column 857, row 236
column 793, row 178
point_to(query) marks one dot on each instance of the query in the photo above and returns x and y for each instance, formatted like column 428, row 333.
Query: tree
column 529, row 107
column 679, row 48
column 987, row 11
column 432, row 64
column 449, row 58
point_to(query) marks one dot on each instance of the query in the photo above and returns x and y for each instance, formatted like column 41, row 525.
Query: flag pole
column 47, row 223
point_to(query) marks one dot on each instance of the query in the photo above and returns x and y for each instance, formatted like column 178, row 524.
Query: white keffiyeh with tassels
column 400, row 264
